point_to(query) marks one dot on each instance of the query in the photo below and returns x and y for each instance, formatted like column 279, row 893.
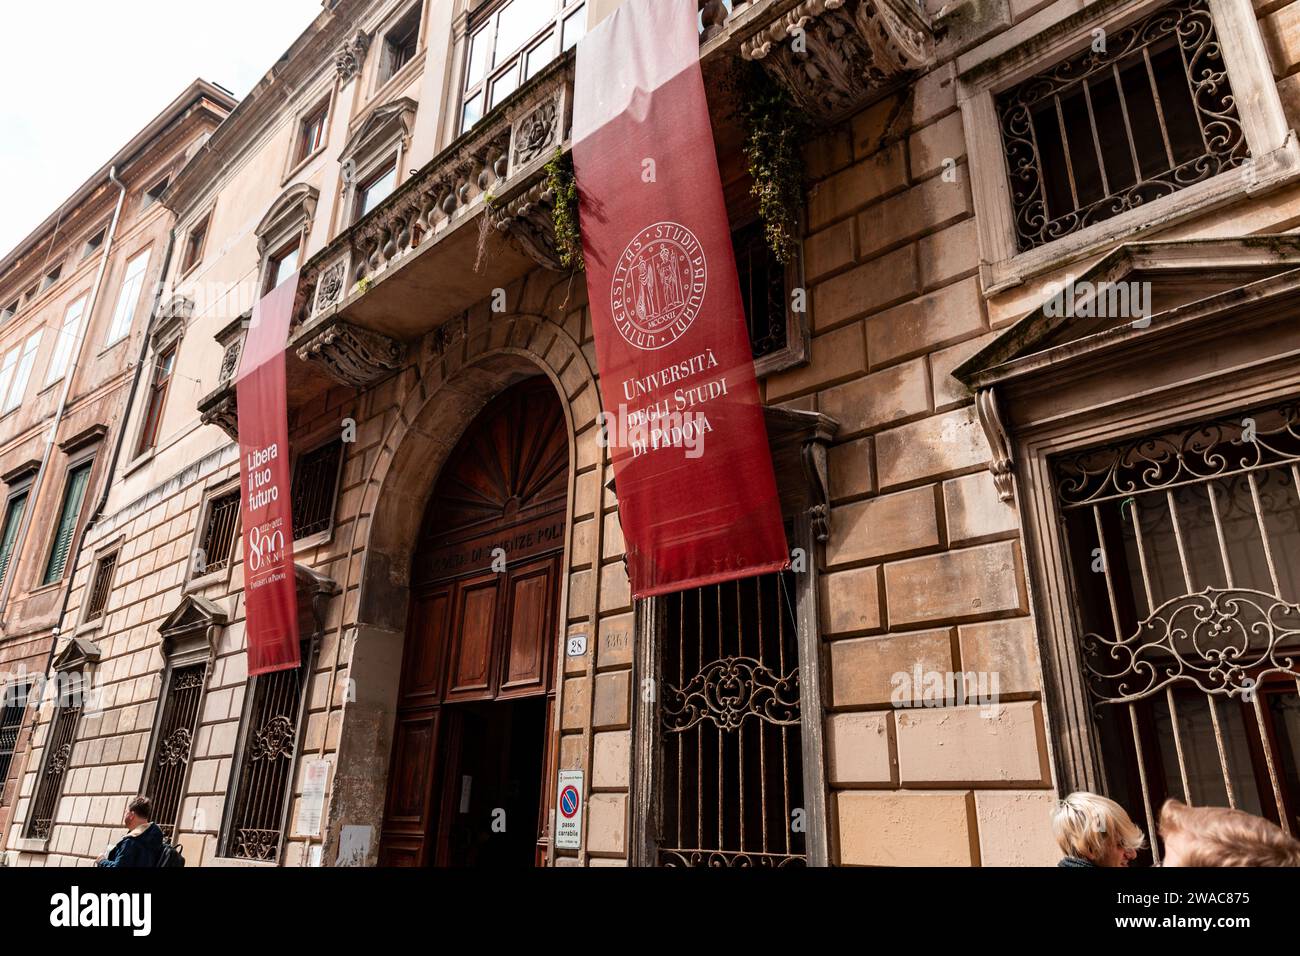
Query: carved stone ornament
column 349, row 59
column 995, row 430
column 536, row 133
column 222, row 410
column 329, row 289
column 528, row 220
column 353, row 356
column 449, row 333
column 835, row 55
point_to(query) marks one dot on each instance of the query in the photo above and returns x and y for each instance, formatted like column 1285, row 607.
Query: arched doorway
column 471, row 748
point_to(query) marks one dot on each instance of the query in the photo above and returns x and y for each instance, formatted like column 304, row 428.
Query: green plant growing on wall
column 563, row 187
column 775, row 131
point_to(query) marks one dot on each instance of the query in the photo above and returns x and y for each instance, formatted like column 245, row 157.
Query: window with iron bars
column 763, row 289
column 100, row 586
column 12, row 710
column 1114, row 128
column 171, row 759
column 58, row 756
column 261, row 792
column 728, row 730
column 217, row 545
column 315, row 484
column 1185, row 557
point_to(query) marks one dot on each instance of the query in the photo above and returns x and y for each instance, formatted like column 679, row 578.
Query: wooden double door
column 473, row 752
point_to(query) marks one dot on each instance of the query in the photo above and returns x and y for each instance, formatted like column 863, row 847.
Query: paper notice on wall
column 311, row 809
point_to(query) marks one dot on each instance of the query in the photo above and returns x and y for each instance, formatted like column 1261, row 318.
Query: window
column 194, row 244
column 282, row 264
column 128, row 297
column 1099, row 134
column 511, row 46
column 66, row 341
column 217, row 544
column 92, row 244
column 400, row 44
column 9, row 311
column 14, row 509
column 16, row 372
column 51, row 277
column 265, row 769
column 311, row 132
column 762, row 289
column 157, row 399
column 74, row 494
column 1184, row 551
column 12, row 709
column 100, row 586
column 729, row 778
column 315, row 484
column 154, row 193
column 175, row 745
column 376, row 189
column 58, row 756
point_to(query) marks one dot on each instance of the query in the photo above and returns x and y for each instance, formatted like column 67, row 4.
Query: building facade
column 1028, row 362
column 78, row 295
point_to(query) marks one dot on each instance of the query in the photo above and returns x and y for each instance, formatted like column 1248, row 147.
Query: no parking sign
column 568, row 811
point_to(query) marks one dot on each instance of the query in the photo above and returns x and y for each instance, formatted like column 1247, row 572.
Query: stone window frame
column 799, row 442
column 113, row 548
column 379, row 87
column 384, row 136
column 287, row 219
column 314, row 442
column 203, row 219
column 295, row 163
column 167, row 333
column 1053, row 35
column 798, row 325
column 221, row 577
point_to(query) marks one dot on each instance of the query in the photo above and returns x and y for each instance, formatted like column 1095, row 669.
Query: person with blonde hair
column 1217, row 836
column 1093, row 830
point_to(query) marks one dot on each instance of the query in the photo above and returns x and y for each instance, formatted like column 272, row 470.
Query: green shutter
column 13, row 519
column 73, row 496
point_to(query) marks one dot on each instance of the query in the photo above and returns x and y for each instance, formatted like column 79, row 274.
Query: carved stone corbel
column 220, row 408
column 352, row 355
column 834, row 56
column 819, row 486
column 995, row 430
column 529, row 220
column 349, row 59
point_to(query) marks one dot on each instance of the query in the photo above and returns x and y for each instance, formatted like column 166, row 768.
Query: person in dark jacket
column 1093, row 830
column 142, row 845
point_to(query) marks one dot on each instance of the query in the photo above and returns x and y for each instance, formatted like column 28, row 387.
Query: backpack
column 171, row 854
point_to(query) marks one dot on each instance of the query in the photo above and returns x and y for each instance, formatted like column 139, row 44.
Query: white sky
column 79, row 78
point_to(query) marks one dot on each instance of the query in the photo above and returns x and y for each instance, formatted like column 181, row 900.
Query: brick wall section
column 924, row 565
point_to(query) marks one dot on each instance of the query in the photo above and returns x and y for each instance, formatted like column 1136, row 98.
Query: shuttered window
column 74, row 494
column 9, row 536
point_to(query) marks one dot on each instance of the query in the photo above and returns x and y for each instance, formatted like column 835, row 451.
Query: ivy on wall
column 775, row 130
column 563, row 187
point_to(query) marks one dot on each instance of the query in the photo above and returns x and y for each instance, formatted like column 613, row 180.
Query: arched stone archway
column 477, row 359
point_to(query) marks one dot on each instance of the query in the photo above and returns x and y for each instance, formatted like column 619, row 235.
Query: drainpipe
column 50, row 440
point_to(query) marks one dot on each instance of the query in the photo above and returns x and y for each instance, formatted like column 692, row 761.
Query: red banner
column 265, row 511
column 696, row 493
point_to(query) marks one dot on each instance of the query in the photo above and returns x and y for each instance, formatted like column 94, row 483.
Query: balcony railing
column 416, row 260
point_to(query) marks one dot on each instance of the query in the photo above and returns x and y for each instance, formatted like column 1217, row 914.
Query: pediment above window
column 292, row 212
column 191, row 631
column 385, row 125
column 77, row 654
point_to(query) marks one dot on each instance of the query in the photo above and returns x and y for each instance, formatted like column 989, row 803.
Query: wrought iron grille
column 1185, row 555
column 166, row 784
column 50, row 785
column 315, row 482
column 267, row 765
column 762, row 289
column 1107, row 131
column 218, row 544
column 11, row 722
column 100, row 586
column 729, row 756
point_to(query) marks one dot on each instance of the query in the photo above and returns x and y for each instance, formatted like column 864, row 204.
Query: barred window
column 12, row 709
column 58, row 755
column 1185, row 555
column 261, row 794
column 1109, row 130
column 217, row 545
column 729, row 749
column 171, row 758
column 315, row 484
column 100, row 586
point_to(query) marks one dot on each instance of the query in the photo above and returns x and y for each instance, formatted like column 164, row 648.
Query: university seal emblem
column 659, row 285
